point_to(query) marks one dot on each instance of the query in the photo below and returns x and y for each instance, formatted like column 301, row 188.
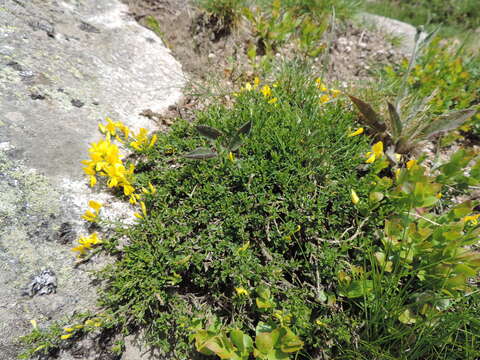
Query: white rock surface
column 64, row 66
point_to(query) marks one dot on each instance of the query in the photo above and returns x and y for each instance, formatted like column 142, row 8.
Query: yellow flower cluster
column 326, row 94
column 472, row 218
column 86, row 244
column 105, row 161
column 69, row 331
column 266, row 90
column 375, row 154
column 92, row 216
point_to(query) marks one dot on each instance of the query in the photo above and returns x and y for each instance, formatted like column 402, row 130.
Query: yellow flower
column 66, row 336
column 411, row 163
column 95, row 205
column 266, row 91
column 242, row 291
column 248, row 86
column 354, row 197
column 370, row 157
column 68, row 329
column 272, row 100
column 93, row 180
column 378, row 149
column 356, row 132
column 89, row 216
column 324, row 98
column 256, row 82
column 376, row 153
column 128, row 189
column 153, row 140
column 471, row 218
column 144, row 208
column 152, row 188
column 230, row 156
column 335, row 93
column 34, row 323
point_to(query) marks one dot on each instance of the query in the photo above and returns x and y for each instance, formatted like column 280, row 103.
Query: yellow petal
column 411, row 163
column 153, row 141
column 68, row 329
column 34, row 323
column 371, row 159
column 354, row 197
column 95, row 205
column 144, row 208
column 272, row 100
column 241, row 291
column 356, row 132
column 66, row 336
column 377, row 149
column 230, row 156
column 93, row 181
column 324, row 98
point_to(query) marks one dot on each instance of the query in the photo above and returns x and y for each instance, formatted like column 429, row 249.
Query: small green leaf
column 209, row 132
column 359, row 288
column 201, row 154
column 407, row 317
column 376, row 196
column 237, row 141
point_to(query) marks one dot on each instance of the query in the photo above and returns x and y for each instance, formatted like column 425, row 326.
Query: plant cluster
column 447, row 75
column 456, row 16
column 268, row 208
column 415, row 283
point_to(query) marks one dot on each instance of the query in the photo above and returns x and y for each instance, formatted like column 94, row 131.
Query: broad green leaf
column 264, row 303
column 264, row 342
column 358, row 288
column 371, row 118
column 201, row 154
column 290, row 342
column 209, row 132
column 242, row 341
column 465, row 270
column 395, row 122
column 376, row 196
column 237, row 141
column 407, row 317
column 448, row 122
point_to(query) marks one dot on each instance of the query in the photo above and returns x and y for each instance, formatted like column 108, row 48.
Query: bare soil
column 212, row 53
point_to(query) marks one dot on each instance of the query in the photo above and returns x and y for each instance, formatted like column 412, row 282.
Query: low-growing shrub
column 275, row 213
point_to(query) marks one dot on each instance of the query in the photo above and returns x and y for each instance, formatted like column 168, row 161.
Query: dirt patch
column 210, row 52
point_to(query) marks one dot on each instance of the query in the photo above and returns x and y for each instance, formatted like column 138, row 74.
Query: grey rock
column 44, row 283
column 393, row 28
column 64, row 65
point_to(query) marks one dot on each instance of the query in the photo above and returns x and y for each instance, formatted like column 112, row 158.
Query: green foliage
column 455, row 15
column 228, row 12
column 273, row 220
column 449, row 72
column 277, row 22
column 414, row 284
column 272, row 342
column 420, row 111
